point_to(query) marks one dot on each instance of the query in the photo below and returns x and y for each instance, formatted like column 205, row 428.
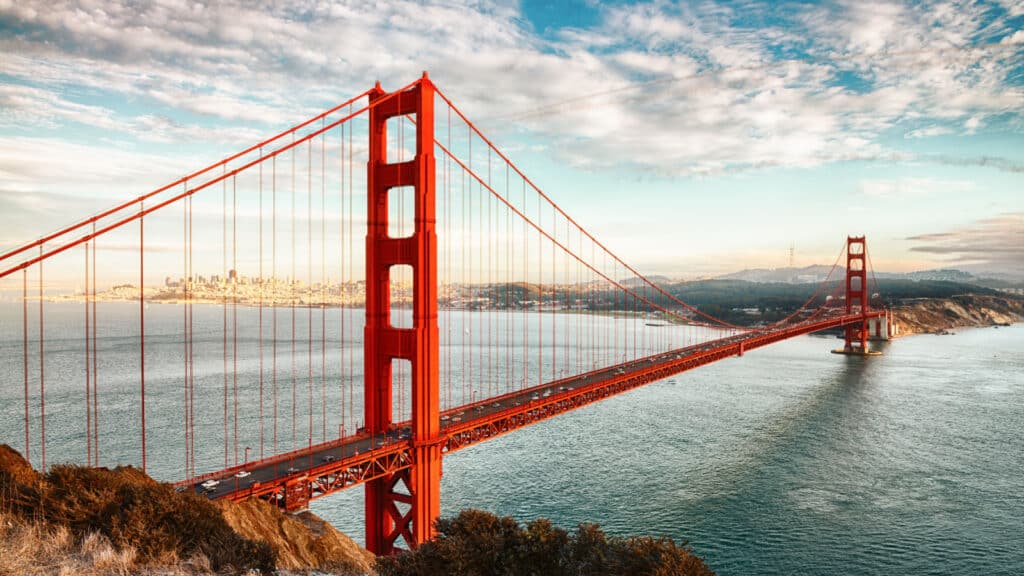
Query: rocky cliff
column 931, row 315
column 301, row 541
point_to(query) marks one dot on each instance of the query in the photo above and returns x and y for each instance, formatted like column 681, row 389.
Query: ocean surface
column 789, row 460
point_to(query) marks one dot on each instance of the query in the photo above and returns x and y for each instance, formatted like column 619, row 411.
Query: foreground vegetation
column 479, row 543
column 97, row 521
column 115, row 518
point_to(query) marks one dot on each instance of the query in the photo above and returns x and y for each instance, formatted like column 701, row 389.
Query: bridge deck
column 322, row 469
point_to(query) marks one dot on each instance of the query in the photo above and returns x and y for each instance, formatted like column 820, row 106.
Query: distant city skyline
column 693, row 139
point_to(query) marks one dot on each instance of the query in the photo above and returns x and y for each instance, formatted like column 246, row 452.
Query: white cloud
column 928, row 132
column 972, row 124
column 1015, row 38
column 991, row 245
column 672, row 88
column 913, row 187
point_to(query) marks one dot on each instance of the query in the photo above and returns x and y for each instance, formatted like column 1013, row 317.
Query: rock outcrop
column 301, row 541
column 936, row 315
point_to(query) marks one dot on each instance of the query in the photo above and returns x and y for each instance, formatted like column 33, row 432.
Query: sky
column 692, row 138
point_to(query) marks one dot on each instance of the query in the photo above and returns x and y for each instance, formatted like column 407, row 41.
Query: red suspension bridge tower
column 405, row 503
column 857, row 300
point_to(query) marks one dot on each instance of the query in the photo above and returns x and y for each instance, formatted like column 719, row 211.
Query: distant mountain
column 944, row 274
column 815, row 273
column 656, row 279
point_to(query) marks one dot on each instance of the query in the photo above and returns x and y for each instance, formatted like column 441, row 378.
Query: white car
column 210, row 484
column 243, row 474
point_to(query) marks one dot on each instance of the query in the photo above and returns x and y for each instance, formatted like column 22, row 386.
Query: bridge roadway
column 292, row 479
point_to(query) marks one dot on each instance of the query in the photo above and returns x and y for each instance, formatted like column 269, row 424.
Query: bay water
column 788, row 460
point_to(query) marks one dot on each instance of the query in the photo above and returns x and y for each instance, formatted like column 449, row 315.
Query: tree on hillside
column 480, row 543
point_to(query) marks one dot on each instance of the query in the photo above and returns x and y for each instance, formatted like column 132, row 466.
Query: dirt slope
column 300, row 541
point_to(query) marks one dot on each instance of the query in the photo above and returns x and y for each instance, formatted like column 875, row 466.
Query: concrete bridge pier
column 882, row 328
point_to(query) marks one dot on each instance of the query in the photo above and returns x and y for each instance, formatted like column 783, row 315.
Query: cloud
column 670, row 89
column 928, row 132
column 913, row 187
column 1015, row 38
column 972, row 124
column 993, row 245
column 995, row 162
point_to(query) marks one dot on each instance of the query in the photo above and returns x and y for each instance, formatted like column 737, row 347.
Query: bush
column 480, row 543
column 131, row 510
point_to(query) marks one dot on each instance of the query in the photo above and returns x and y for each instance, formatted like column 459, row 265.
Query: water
column 789, row 460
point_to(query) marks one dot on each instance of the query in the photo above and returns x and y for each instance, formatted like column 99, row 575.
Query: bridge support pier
column 404, row 504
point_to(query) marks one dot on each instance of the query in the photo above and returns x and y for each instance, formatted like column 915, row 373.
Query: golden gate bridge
column 487, row 308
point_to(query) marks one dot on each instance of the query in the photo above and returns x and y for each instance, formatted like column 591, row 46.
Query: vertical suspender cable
column 142, row 330
column 309, row 283
column 42, row 375
column 24, row 347
column 184, row 330
column 464, row 329
column 323, row 286
column 261, row 288
column 349, row 276
column 276, row 288
column 191, row 332
column 224, row 303
column 540, row 296
column 234, row 310
column 292, row 293
column 448, row 263
column 490, row 284
column 343, row 334
column 508, row 288
column 88, row 370
column 95, row 355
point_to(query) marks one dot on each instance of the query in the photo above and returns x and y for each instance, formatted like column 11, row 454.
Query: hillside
column 76, row 520
column 931, row 315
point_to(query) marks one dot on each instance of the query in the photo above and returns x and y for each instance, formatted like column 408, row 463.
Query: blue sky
column 692, row 138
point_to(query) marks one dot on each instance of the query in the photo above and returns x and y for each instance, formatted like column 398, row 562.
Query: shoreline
column 942, row 315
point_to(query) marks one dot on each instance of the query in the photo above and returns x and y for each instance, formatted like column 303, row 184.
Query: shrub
column 480, row 543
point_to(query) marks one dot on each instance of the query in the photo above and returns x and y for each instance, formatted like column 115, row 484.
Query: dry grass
column 95, row 521
column 76, row 520
column 36, row 548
